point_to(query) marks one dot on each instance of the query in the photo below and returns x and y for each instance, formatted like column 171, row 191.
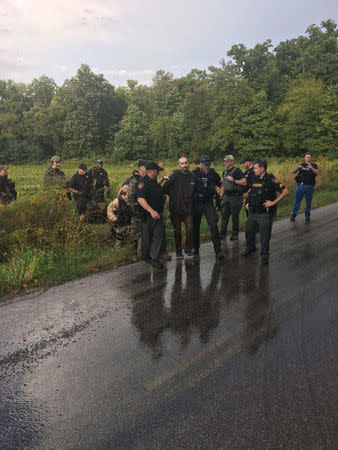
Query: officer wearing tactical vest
column 119, row 214
column 100, row 181
column 151, row 198
column 7, row 187
column 248, row 174
column 81, row 185
column 232, row 197
column 206, row 179
column 137, row 214
column 306, row 180
column 262, row 207
column 53, row 175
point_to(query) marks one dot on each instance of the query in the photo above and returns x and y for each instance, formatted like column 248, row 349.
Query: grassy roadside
column 43, row 243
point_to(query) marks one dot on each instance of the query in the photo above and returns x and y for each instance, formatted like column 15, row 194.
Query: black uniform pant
column 208, row 209
column 263, row 223
column 177, row 220
column 81, row 204
column 152, row 237
column 231, row 206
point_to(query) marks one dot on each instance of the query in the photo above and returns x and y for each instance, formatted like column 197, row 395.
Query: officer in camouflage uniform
column 136, row 211
column 262, row 206
column 7, row 187
column 54, row 176
column 119, row 215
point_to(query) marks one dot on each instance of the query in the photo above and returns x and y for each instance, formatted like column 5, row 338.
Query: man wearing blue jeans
column 306, row 180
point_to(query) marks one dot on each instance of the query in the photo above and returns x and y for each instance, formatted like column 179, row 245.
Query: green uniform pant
column 135, row 234
column 231, row 207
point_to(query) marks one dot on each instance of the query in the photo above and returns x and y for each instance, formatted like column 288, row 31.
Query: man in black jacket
column 180, row 187
column 262, row 207
column 207, row 180
column 81, row 185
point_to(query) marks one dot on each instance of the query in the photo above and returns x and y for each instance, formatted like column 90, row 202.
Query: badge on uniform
column 140, row 185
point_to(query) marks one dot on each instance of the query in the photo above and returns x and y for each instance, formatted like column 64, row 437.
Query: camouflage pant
column 135, row 234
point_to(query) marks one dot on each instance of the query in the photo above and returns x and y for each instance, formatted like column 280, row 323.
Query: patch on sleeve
column 140, row 185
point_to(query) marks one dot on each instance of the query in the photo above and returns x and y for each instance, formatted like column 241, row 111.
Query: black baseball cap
column 152, row 165
column 246, row 159
column 142, row 162
column 83, row 166
column 206, row 160
column 99, row 161
column 3, row 167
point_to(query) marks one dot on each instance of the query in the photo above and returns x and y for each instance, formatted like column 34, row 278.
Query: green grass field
column 42, row 241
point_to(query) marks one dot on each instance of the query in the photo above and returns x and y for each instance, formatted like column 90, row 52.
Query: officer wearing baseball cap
column 150, row 198
column 100, row 181
column 7, row 187
column 206, row 182
column 54, row 176
column 81, row 185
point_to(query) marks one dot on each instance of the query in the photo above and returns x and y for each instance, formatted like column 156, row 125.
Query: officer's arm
column 71, row 186
column 283, row 194
column 241, row 182
column 145, row 205
column 297, row 169
column 314, row 170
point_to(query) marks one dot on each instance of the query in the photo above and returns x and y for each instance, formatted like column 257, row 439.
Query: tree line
column 278, row 101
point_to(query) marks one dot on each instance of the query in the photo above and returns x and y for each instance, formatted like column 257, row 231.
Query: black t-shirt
column 100, row 177
column 82, row 183
column 306, row 175
column 152, row 192
column 206, row 184
column 262, row 189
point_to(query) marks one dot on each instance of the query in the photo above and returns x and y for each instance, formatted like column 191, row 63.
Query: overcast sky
column 131, row 39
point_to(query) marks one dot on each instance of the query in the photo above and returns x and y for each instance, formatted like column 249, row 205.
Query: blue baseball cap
column 206, row 160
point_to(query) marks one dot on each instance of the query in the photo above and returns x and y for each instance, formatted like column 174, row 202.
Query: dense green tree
column 132, row 141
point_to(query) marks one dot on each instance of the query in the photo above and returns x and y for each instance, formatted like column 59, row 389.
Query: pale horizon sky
column 132, row 39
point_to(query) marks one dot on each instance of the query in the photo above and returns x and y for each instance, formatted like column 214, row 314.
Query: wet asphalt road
column 200, row 355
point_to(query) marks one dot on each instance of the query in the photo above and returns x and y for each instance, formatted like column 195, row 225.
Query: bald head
column 183, row 163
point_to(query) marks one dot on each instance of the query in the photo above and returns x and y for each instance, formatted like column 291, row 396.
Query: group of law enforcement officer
column 193, row 194
column 87, row 186
column 138, row 209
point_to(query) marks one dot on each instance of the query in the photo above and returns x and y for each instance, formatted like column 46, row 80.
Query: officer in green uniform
column 232, row 197
column 151, row 198
column 54, row 176
column 137, row 214
column 7, row 187
column 206, row 181
column 119, row 215
column 81, row 185
column 262, row 206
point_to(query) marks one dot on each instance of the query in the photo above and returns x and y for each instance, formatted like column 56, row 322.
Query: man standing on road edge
column 262, row 206
column 151, row 198
column 306, row 180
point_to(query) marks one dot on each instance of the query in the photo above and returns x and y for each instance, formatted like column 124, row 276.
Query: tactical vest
column 205, row 185
column 123, row 212
column 229, row 186
column 262, row 190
